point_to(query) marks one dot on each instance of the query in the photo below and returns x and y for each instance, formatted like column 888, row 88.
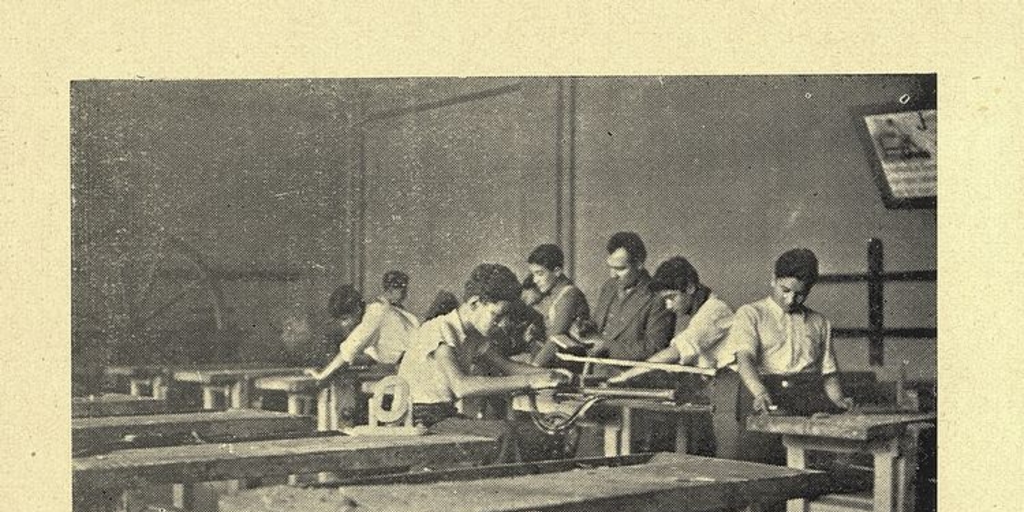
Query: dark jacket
column 637, row 327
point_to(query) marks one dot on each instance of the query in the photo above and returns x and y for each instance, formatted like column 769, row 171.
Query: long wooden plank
column 300, row 383
column 226, row 461
column 665, row 367
column 850, row 426
column 93, row 433
column 227, row 376
column 667, row 482
column 115, row 404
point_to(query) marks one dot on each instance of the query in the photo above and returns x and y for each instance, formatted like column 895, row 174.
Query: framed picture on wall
column 902, row 147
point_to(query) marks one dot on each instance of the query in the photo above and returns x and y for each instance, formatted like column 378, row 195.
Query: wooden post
column 611, row 439
column 323, row 404
column 796, row 457
column 626, row 436
column 161, row 387
column 682, row 433
column 887, row 476
column 876, row 302
column 240, row 394
column 906, row 469
column 209, row 398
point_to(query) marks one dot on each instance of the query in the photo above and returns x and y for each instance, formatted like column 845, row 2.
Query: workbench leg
column 323, row 423
column 886, row 479
column 626, row 436
column 134, row 387
column 796, row 457
column 209, row 398
column 240, row 394
column 300, row 404
column 906, row 468
column 323, row 404
column 611, row 439
column 161, row 388
column 682, row 433
column 294, row 404
column 183, row 496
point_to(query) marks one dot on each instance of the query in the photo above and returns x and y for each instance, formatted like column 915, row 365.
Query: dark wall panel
column 452, row 187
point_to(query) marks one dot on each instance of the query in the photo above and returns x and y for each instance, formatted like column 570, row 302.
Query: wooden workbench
column 89, row 433
column 666, row 482
column 231, row 383
column 115, row 404
column 96, row 477
column 890, row 438
column 334, row 399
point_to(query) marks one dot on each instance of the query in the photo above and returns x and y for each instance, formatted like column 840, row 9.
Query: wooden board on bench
column 665, row 482
column 93, row 433
column 253, row 459
column 115, row 404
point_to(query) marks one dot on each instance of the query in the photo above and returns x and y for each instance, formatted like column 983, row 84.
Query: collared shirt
column 383, row 333
column 783, row 343
column 428, row 383
column 701, row 343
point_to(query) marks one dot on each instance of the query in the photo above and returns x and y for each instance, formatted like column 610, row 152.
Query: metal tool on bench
column 584, row 395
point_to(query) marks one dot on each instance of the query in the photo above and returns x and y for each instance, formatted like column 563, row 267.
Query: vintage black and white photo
column 678, row 292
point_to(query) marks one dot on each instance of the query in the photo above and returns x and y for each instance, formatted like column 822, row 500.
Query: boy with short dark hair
column 445, row 352
column 383, row 332
column 784, row 354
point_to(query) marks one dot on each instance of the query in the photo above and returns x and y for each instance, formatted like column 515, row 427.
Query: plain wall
column 727, row 171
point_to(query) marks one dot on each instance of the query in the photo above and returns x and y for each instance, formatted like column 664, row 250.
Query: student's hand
column 763, row 403
column 550, row 379
column 845, row 403
column 622, row 377
column 600, row 348
column 313, row 372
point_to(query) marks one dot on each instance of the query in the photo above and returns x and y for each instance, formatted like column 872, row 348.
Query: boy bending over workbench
column 446, row 353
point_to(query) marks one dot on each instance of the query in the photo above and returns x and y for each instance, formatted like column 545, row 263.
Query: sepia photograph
column 592, row 293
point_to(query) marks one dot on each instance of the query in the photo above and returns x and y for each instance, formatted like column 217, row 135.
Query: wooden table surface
column 851, row 426
column 304, row 383
column 666, row 482
column 230, row 375
column 236, row 423
column 115, row 404
column 225, row 461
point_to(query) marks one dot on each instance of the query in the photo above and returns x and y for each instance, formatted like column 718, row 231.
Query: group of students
column 504, row 335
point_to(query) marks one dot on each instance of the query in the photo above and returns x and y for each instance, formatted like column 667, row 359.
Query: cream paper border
column 973, row 47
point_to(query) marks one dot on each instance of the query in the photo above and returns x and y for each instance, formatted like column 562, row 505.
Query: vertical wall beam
column 876, row 302
column 559, row 161
column 570, row 249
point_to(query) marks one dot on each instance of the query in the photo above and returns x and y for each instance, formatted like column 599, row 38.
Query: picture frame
column 900, row 139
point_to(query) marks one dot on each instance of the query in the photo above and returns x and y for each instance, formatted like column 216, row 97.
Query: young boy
column 440, row 363
column 384, row 331
column 784, row 355
column 702, row 324
column 702, row 320
column 560, row 302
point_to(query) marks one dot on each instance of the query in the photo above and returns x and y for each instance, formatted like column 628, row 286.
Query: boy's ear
column 473, row 301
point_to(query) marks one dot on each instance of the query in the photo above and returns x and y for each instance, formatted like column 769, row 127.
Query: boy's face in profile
column 789, row 292
column 543, row 277
column 487, row 315
column 677, row 301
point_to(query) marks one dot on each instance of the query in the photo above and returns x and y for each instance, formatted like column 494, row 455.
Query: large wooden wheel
column 153, row 300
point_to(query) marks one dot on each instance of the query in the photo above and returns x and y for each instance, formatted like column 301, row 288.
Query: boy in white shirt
column 384, row 332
